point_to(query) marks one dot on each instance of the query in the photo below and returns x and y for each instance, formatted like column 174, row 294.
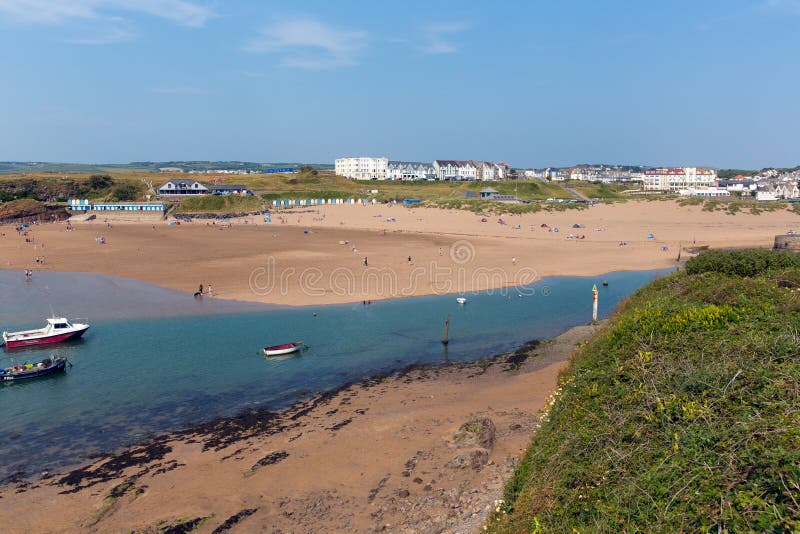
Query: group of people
column 208, row 291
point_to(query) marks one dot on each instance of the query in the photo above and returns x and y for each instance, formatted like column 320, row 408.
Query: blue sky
column 534, row 83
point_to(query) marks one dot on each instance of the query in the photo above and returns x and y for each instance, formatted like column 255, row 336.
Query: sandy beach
column 381, row 454
column 317, row 256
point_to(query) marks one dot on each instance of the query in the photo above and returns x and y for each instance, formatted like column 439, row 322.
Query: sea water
column 157, row 360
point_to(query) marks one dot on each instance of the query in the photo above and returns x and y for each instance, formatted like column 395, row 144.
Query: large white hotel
column 362, row 168
column 676, row 179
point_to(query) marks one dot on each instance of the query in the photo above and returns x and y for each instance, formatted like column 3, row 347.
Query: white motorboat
column 56, row 330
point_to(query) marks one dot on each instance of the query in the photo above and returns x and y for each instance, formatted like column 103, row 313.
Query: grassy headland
column 681, row 415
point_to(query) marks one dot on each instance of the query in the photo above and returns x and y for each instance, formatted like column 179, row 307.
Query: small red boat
column 58, row 329
column 286, row 348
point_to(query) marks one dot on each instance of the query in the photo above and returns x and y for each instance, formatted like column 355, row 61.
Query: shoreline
column 249, row 306
column 106, row 486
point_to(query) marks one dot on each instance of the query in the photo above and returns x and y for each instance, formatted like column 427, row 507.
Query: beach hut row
column 320, row 201
column 85, row 205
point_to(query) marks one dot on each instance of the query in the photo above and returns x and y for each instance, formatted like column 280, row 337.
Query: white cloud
column 182, row 12
column 436, row 38
column 309, row 44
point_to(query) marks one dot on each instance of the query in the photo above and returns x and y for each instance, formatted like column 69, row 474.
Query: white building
column 676, row 178
column 410, row 170
column 787, row 190
column 362, row 168
column 703, row 191
column 502, row 171
column 485, row 170
column 183, row 187
column 448, row 169
column 581, row 173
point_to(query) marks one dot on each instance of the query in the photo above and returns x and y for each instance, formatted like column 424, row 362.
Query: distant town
column 769, row 184
column 764, row 185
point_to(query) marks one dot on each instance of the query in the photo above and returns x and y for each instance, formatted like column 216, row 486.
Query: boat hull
column 58, row 367
column 280, row 350
column 45, row 340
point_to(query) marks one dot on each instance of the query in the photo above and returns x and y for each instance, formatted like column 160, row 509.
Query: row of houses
column 766, row 190
column 381, row 168
column 187, row 187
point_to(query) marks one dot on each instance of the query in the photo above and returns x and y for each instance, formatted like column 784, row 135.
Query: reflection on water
column 157, row 360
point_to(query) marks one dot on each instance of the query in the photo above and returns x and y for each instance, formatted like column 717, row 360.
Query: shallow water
column 156, row 360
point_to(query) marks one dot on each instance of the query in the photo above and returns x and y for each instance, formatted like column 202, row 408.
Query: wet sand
column 316, row 256
column 380, row 454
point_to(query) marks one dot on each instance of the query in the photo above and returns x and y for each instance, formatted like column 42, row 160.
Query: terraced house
column 410, row 170
column 450, row 169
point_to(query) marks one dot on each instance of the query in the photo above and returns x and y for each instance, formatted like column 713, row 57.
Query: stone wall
column 787, row 242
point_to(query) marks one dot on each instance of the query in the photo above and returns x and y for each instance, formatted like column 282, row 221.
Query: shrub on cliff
column 680, row 416
column 125, row 192
column 749, row 262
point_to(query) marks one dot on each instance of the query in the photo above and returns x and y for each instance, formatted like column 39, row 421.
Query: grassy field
column 220, row 204
column 682, row 415
column 307, row 185
column 601, row 191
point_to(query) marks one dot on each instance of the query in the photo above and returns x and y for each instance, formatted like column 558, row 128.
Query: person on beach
column 409, row 260
column 366, row 263
column 210, row 291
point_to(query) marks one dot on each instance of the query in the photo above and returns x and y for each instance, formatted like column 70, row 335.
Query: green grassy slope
column 682, row 415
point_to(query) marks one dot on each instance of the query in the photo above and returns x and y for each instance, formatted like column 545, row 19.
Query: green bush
column 742, row 262
column 100, row 181
column 125, row 192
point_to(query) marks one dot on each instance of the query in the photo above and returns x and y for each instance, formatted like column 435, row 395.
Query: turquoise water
column 134, row 376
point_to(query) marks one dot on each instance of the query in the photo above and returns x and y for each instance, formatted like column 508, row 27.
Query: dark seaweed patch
column 234, row 519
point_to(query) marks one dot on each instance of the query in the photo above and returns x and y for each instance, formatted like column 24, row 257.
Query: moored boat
column 56, row 330
column 49, row 366
column 286, row 348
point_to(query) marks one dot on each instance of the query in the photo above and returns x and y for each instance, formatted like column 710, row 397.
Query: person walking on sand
column 210, row 291
column 366, row 263
column 514, row 260
column 409, row 260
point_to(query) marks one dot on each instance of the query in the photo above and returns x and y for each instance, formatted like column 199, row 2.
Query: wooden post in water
column 594, row 303
column 446, row 339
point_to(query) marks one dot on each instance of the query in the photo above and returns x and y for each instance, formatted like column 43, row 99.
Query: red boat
column 58, row 329
column 286, row 348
